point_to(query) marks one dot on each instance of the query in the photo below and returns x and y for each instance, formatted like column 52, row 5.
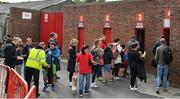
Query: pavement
column 117, row 89
column 148, row 88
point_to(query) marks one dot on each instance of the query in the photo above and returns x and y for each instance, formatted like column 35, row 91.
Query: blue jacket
column 55, row 54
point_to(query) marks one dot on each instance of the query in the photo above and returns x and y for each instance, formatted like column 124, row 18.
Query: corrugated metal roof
column 36, row 5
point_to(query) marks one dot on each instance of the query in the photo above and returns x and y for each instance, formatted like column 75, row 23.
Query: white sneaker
column 116, row 78
column 92, row 85
column 135, row 88
column 95, row 85
column 70, row 84
column 131, row 87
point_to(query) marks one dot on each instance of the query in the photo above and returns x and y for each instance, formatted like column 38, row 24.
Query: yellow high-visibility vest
column 36, row 59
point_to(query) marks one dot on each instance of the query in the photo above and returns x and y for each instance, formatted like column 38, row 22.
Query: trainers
column 95, row 85
column 116, row 78
column 135, row 88
column 131, row 88
column 92, row 85
column 70, row 84
column 80, row 95
column 53, row 88
column 57, row 77
column 87, row 92
column 45, row 89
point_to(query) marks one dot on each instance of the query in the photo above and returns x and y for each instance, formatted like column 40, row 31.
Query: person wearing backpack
column 96, row 57
column 117, row 60
column 163, row 57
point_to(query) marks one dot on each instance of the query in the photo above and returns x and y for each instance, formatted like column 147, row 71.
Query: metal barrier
column 32, row 93
column 17, row 86
column 4, row 70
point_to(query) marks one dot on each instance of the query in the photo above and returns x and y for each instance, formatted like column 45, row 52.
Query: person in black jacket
column 107, row 57
column 25, row 51
column 72, row 59
column 27, row 48
column 134, row 61
column 10, row 52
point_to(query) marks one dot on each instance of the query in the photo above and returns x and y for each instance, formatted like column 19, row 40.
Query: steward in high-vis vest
column 36, row 60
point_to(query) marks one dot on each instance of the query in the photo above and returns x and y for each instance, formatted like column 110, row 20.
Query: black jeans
column 70, row 76
column 115, row 71
column 134, row 74
column 95, row 71
column 28, row 77
column 100, row 71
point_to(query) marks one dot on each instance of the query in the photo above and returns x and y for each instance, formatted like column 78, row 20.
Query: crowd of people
column 106, row 62
column 101, row 62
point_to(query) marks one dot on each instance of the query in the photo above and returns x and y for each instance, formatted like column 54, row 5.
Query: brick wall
column 123, row 26
column 175, row 41
column 24, row 27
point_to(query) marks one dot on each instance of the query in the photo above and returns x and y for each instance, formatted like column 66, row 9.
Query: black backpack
column 167, row 56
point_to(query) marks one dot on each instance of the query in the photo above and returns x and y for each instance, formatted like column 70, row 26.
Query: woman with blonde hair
column 19, row 62
column 72, row 59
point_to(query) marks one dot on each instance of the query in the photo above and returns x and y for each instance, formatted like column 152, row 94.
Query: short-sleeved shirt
column 84, row 67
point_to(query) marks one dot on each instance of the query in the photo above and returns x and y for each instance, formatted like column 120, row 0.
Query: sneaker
column 157, row 92
column 70, row 84
column 57, row 77
column 80, row 95
column 87, row 92
column 53, row 88
column 116, row 78
column 95, row 85
column 131, row 87
column 45, row 89
column 92, row 85
column 135, row 88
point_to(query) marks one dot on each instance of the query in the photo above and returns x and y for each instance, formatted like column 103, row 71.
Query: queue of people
column 105, row 62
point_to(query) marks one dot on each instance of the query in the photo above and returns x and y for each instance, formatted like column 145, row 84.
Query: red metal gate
column 51, row 22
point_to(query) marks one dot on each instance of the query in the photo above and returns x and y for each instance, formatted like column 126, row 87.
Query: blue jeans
column 81, row 82
column 107, row 68
column 162, row 71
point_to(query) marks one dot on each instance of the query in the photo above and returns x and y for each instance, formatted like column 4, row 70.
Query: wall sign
column 140, row 20
column 167, row 16
column 167, row 23
column 26, row 15
column 45, row 17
